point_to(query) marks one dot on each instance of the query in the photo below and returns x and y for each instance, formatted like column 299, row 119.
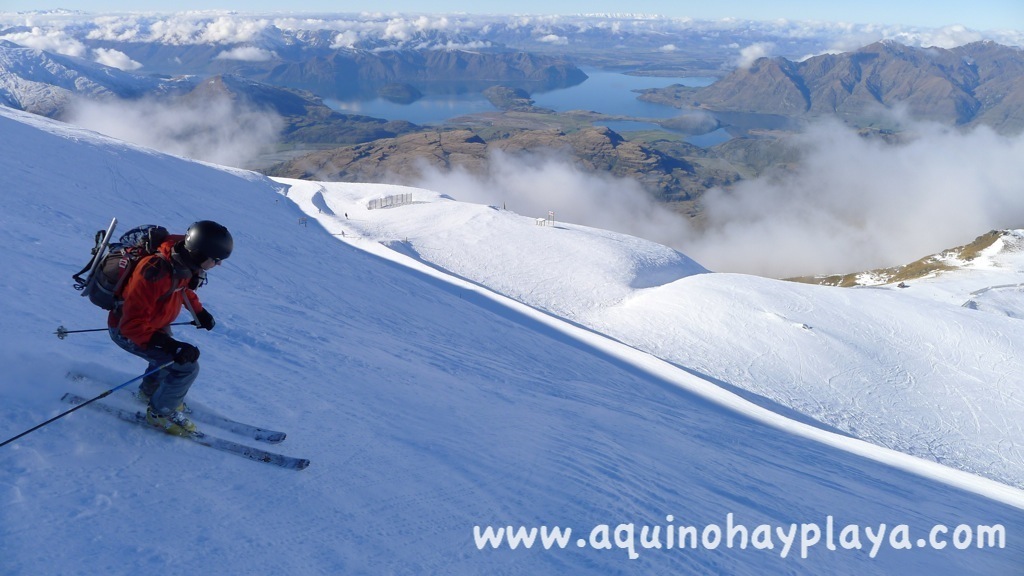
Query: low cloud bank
column 65, row 32
column 246, row 54
column 535, row 184
column 851, row 204
column 854, row 203
column 216, row 130
column 115, row 59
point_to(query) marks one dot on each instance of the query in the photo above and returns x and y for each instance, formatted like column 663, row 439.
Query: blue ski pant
column 166, row 388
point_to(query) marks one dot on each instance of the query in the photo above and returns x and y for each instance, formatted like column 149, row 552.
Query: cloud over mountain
column 855, row 203
column 115, row 59
column 220, row 130
column 68, row 32
column 246, row 54
column 852, row 203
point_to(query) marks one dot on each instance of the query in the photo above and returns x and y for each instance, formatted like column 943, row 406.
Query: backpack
column 112, row 263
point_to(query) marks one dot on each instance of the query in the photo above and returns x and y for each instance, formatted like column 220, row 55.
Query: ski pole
column 87, row 402
column 63, row 332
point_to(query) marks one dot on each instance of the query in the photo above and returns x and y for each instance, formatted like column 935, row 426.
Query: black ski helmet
column 207, row 239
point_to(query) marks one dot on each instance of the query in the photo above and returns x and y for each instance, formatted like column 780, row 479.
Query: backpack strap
column 178, row 273
column 129, row 265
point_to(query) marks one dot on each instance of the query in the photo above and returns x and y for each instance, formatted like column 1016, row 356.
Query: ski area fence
column 389, row 201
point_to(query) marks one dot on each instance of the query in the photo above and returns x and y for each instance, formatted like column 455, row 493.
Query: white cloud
column 668, row 48
column 56, row 41
column 404, row 29
column 114, row 28
column 854, row 204
column 947, row 37
column 461, row 46
column 851, row 204
column 232, row 30
column 751, row 53
column 534, row 184
column 554, row 39
column 115, row 59
column 221, row 27
column 346, row 39
column 246, row 54
column 220, row 131
column 173, row 31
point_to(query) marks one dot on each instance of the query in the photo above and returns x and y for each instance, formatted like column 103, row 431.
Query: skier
column 160, row 285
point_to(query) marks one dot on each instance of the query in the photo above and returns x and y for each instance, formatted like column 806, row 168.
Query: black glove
column 186, row 353
column 205, row 319
column 182, row 352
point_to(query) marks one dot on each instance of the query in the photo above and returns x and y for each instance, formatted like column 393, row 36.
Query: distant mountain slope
column 306, row 118
column 978, row 83
column 49, row 84
column 994, row 242
column 349, row 72
column 592, row 149
column 43, row 83
column 338, row 72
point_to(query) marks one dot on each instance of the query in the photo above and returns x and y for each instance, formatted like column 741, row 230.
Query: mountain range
column 44, row 83
column 642, row 41
column 882, row 87
column 53, row 85
column 345, row 73
column 981, row 83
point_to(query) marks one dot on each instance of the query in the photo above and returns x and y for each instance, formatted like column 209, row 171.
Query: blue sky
column 978, row 14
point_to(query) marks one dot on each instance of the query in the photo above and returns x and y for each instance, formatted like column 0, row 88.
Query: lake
column 703, row 140
column 612, row 93
column 603, row 91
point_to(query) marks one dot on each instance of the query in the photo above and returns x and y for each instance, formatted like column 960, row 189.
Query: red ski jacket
column 153, row 296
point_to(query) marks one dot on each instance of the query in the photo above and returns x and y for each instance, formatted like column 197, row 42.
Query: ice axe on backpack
column 63, row 332
column 111, row 265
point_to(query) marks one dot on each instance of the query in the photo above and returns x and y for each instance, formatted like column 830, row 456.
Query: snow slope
column 428, row 405
column 913, row 370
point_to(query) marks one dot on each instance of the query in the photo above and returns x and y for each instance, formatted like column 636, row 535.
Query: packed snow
column 916, row 369
column 447, row 366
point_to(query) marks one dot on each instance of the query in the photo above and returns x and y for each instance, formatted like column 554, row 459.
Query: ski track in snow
column 426, row 403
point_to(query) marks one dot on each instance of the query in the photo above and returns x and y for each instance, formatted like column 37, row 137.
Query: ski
column 199, row 437
column 205, row 415
column 209, row 416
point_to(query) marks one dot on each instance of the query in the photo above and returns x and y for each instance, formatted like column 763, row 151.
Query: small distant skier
column 153, row 297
